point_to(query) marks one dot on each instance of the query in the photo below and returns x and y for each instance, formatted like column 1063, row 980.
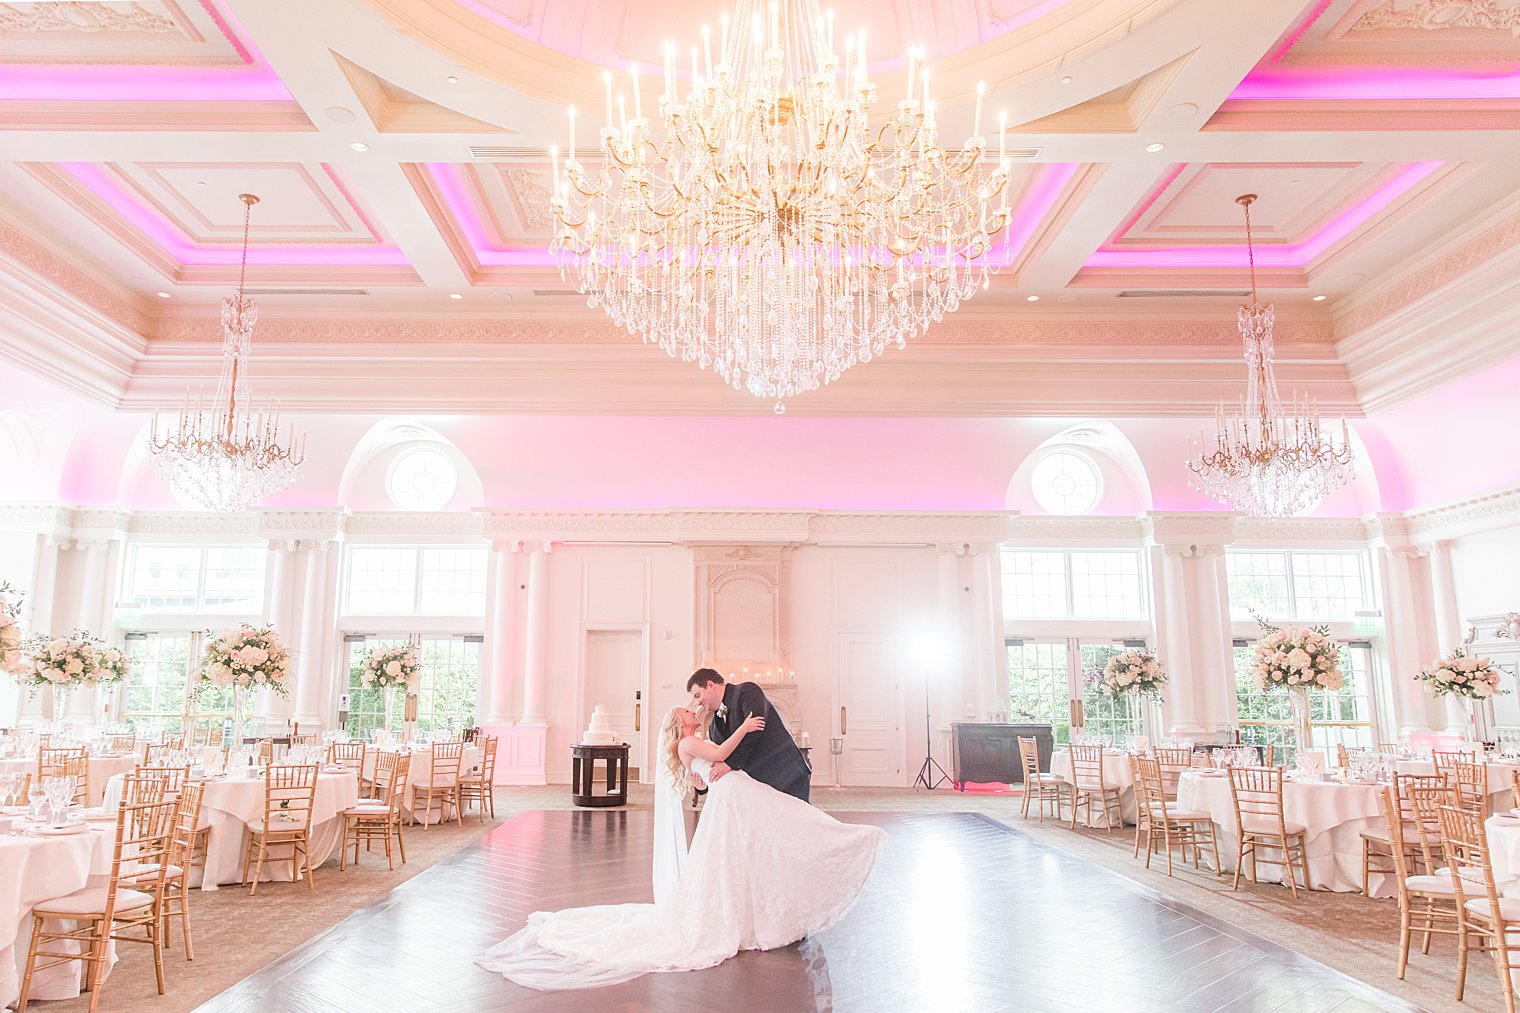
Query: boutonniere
column 723, row 711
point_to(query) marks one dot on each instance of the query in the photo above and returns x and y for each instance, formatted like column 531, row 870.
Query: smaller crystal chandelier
column 228, row 456
column 1267, row 461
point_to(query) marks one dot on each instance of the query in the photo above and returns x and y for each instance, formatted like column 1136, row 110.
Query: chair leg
column 1405, row 918
column 1462, row 945
column 184, row 914
column 155, row 937
column 258, row 870
column 1240, row 861
column 400, row 841
column 31, row 961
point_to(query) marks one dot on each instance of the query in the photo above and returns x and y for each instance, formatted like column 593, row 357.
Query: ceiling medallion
column 1267, row 460
column 227, row 456
column 759, row 224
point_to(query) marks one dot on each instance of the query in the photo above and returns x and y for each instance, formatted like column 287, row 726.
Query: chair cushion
column 279, row 826
column 1264, row 825
column 92, row 901
column 1189, row 816
column 151, row 872
column 368, row 809
column 1470, row 874
column 1509, row 908
column 1430, row 884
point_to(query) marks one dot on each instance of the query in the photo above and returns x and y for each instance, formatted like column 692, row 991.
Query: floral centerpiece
column 1465, row 677
column 245, row 658
column 66, row 663
column 1134, row 671
column 1298, row 661
column 11, row 659
column 387, row 668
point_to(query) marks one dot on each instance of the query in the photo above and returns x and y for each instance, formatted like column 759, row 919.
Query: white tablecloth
column 421, row 771
column 230, row 804
column 37, row 869
column 102, row 769
column 1116, row 774
column 1336, row 815
column 1500, row 780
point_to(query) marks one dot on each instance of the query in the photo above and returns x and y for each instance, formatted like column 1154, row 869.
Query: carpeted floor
column 236, row 935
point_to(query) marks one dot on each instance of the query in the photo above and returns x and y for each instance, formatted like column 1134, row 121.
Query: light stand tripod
column 926, row 774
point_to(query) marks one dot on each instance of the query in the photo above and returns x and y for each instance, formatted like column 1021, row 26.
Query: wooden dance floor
column 962, row 914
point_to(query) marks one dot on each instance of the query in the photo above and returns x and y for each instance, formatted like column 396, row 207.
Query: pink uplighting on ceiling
column 1377, row 83
column 182, row 248
column 1045, row 186
column 1280, row 255
column 254, row 81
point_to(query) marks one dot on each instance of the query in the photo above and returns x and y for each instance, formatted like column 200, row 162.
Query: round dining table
column 103, row 767
column 1334, row 812
column 421, row 772
column 1116, row 774
column 35, row 868
column 1501, row 779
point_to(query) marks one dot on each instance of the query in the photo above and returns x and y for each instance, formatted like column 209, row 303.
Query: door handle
column 1076, row 714
column 637, row 710
column 843, row 729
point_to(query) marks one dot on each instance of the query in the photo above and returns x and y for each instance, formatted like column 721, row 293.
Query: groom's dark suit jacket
column 770, row 756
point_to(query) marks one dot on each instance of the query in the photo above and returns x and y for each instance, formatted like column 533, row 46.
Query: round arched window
column 422, row 478
column 1065, row 482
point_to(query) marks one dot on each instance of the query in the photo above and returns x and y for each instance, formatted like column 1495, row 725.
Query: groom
column 770, row 755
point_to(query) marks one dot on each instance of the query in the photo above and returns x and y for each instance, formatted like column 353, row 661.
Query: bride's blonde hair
column 670, row 749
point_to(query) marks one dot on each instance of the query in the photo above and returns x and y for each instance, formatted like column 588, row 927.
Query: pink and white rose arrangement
column 1458, row 674
column 1296, row 659
column 11, row 658
column 82, row 659
column 390, row 666
column 1136, row 671
column 248, row 657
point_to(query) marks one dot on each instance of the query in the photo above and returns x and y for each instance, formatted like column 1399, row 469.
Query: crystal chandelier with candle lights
column 760, row 224
column 1267, row 460
column 227, row 456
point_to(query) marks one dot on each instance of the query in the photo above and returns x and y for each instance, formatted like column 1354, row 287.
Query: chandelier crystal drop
column 1267, row 459
column 227, row 456
column 762, row 226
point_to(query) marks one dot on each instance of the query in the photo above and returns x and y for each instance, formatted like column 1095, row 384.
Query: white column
column 1176, row 645
column 312, row 670
column 985, row 653
column 1448, row 617
column 1413, row 706
column 949, row 673
column 536, row 652
column 496, row 688
column 1212, row 649
column 84, row 702
column 37, row 617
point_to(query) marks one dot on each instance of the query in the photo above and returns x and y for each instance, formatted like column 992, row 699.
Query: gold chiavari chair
column 305, row 740
column 189, row 835
column 1344, row 754
column 442, row 787
column 1514, row 788
column 1173, row 763
column 289, row 797
column 1471, row 781
column 1257, row 793
column 50, row 761
column 121, row 743
column 172, row 778
column 1040, row 787
column 1378, row 846
column 89, row 920
column 1446, row 761
column 1388, row 747
column 1178, row 829
column 265, row 752
column 1425, row 800
column 1089, row 785
column 480, row 787
column 1439, row 913
column 1485, row 920
column 1268, row 755
column 78, row 767
column 349, row 756
column 379, row 819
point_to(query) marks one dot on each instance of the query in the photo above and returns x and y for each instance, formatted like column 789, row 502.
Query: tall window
column 449, row 681
column 412, row 580
column 1348, row 716
column 1056, row 681
column 1305, row 586
column 197, row 578
column 1086, row 584
column 156, row 691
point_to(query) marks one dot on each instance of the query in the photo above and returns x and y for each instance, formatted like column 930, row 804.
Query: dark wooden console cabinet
column 989, row 753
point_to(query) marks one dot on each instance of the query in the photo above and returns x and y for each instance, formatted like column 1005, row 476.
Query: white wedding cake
column 599, row 732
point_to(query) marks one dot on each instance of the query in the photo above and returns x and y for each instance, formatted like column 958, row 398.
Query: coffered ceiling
column 399, row 248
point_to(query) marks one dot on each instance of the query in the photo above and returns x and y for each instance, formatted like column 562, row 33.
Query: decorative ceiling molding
column 82, row 284
column 391, row 526
column 1440, row 15
column 1200, row 531
column 1466, row 516
column 72, row 16
column 835, row 528
column 302, row 525
column 1032, row 529
column 1291, row 532
column 178, row 524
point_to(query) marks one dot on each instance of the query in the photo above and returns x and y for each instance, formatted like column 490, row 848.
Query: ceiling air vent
column 1023, row 154
column 1183, row 293
column 555, row 291
column 507, row 152
column 307, row 291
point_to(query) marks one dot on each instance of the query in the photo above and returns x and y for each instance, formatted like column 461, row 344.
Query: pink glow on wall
column 254, row 81
column 1038, row 197
column 1285, row 83
column 182, row 248
column 1281, row 255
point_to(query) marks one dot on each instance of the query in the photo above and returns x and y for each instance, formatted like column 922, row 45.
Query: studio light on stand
column 836, row 750
column 926, row 650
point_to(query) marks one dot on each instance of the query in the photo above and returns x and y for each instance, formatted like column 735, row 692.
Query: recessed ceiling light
column 1154, row 146
column 1182, row 111
column 1293, row 182
column 455, row 295
column 340, row 114
column 1320, row 298
column 359, row 146
column 162, row 295
column 1032, row 298
column 1068, row 297
column 200, row 182
column 1066, row 79
column 451, row 79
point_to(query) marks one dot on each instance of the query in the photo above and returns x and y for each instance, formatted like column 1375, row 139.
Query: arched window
column 1066, row 482
column 422, row 478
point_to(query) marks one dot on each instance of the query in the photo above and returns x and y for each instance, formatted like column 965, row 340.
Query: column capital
column 1189, row 534
column 302, row 525
column 953, row 548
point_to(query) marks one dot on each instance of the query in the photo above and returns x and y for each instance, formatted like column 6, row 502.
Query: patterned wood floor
column 963, row 914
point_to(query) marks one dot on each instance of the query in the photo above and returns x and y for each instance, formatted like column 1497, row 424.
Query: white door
column 614, row 677
column 870, row 712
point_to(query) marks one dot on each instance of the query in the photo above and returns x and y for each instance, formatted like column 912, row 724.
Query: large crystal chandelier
column 1267, row 460
column 763, row 226
column 228, row 456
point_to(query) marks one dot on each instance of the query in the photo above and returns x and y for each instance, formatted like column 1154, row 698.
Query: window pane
column 155, row 690
column 1258, row 580
column 381, row 580
column 450, row 680
column 1328, row 585
column 1345, row 716
column 1106, row 585
column 453, row 582
column 1034, row 585
column 165, row 577
column 1119, row 717
column 235, row 578
column 366, row 707
column 1037, row 686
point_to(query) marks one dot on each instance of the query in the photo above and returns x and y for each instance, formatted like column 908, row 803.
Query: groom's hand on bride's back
column 718, row 770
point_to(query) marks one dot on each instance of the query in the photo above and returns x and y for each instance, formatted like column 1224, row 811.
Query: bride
column 764, row 870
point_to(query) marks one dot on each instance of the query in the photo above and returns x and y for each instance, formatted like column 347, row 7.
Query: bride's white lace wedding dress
column 765, row 870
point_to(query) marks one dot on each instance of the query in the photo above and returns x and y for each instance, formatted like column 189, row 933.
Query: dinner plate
column 101, row 815
column 67, row 828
